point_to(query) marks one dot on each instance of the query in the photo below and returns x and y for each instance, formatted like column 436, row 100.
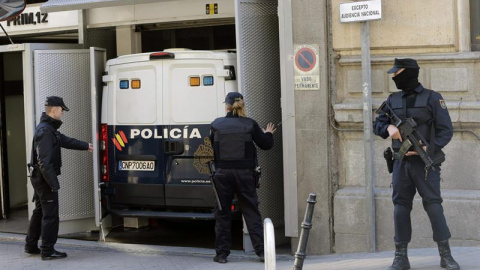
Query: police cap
column 403, row 63
column 232, row 97
column 56, row 101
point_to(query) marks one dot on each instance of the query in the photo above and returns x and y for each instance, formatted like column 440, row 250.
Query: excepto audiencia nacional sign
column 360, row 11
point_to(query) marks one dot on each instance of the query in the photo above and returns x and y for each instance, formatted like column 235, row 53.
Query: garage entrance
column 258, row 52
column 12, row 145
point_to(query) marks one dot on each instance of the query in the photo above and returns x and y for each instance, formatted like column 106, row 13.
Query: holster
column 33, row 170
column 388, row 155
column 438, row 158
column 257, row 174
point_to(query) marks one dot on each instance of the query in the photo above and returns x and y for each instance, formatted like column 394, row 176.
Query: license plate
column 131, row 165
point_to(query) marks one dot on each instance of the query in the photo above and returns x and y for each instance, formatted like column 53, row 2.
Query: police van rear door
column 194, row 90
column 135, row 136
column 97, row 67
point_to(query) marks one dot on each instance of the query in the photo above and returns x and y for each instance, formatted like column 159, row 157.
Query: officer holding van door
column 427, row 108
column 234, row 138
column 46, row 162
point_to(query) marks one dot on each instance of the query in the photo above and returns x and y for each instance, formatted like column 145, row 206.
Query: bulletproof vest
column 233, row 142
column 416, row 108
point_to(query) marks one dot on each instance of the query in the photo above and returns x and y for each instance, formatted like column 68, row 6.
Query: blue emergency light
column 207, row 80
column 124, row 84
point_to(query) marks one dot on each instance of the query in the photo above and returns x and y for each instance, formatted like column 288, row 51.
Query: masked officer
column 429, row 111
column 46, row 162
column 235, row 156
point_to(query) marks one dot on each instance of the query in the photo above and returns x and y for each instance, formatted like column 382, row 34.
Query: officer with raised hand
column 235, row 155
column 46, row 161
column 427, row 108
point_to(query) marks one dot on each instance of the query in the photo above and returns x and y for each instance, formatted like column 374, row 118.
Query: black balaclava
column 407, row 80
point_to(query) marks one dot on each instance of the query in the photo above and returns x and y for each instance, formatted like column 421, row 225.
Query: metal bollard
column 306, row 226
column 269, row 243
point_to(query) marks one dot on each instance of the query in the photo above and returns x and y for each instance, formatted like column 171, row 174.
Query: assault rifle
column 411, row 137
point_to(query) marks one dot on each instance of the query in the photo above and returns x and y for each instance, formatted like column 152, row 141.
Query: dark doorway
column 196, row 38
column 12, row 145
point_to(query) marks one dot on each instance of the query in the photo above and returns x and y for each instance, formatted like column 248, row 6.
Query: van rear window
column 137, row 96
column 202, row 99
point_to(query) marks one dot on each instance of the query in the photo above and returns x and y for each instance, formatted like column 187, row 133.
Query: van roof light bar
column 162, row 55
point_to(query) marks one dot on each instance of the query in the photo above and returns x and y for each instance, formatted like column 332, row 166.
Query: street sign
column 360, row 11
column 307, row 75
column 305, row 59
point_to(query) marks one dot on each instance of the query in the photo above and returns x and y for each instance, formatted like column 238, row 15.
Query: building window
column 475, row 24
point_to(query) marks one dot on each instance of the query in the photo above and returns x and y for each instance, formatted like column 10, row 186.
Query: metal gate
column 67, row 73
column 258, row 57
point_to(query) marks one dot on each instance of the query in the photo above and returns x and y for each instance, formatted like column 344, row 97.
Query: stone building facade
column 439, row 35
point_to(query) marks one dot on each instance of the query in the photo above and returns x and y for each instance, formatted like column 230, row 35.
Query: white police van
column 155, row 122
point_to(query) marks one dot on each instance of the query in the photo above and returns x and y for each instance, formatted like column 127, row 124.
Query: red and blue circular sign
column 305, row 59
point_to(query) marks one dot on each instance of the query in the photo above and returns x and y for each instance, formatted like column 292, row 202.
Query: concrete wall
column 407, row 26
column 431, row 32
column 311, row 116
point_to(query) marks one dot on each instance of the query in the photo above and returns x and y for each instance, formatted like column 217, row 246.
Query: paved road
column 96, row 255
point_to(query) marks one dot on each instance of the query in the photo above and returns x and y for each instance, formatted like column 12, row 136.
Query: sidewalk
column 96, row 255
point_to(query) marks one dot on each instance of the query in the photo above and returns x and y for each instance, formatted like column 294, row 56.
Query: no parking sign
column 306, row 67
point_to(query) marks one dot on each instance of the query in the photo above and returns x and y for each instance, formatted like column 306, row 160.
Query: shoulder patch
column 442, row 103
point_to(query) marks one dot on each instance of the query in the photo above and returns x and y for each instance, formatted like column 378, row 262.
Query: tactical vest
column 233, row 142
column 418, row 112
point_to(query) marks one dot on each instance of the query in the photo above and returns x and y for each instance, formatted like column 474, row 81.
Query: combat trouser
column 45, row 218
column 408, row 177
column 241, row 182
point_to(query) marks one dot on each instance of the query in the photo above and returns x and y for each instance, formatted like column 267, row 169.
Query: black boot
column 220, row 258
column 446, row 259
column 401, row 260
column 32, row 250
column 53, row 254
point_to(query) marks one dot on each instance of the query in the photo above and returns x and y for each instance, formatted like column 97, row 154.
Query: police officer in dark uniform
column 429, row 111
column 46, row 162
column 233, row 138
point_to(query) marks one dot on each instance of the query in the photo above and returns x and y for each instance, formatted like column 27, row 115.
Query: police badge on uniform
column 442, row 104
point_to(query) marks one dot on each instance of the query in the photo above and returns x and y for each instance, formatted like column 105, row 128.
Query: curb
column 139, row 248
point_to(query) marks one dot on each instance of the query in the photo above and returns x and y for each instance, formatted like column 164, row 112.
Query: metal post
column 367, row 136
column 306, row 226
column 6, row 34
column 269, row 243
column 82, row 28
